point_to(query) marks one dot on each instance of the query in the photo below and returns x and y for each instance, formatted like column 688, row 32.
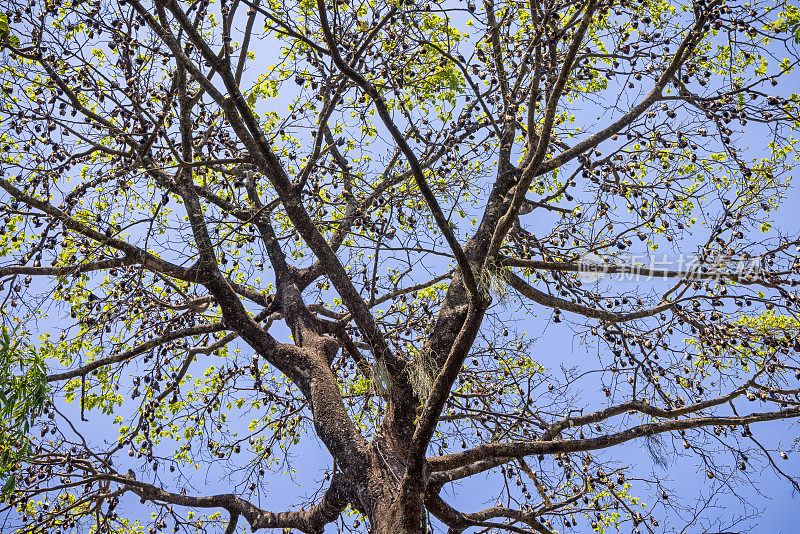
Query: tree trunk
column 385, row 512
column 388, row 518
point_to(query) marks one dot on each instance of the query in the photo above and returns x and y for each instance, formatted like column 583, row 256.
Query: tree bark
column 385, row 511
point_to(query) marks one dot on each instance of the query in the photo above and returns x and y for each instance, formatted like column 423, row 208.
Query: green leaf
column 22, row 399
column 8, row 487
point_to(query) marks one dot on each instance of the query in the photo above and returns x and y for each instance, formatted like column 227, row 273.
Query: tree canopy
column 232, row 226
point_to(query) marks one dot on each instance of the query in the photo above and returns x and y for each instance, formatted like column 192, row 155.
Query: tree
column 234, row 224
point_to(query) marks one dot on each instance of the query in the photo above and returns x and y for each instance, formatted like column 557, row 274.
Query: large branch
column 311, row 521
column 550, row 301
column 63, row 270
column 134, row 253
column 647, row 409
column 522, row 449
column 138, row 349
column 460, row 521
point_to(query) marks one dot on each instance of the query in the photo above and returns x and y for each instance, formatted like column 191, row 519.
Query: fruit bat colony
column 229, row 229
